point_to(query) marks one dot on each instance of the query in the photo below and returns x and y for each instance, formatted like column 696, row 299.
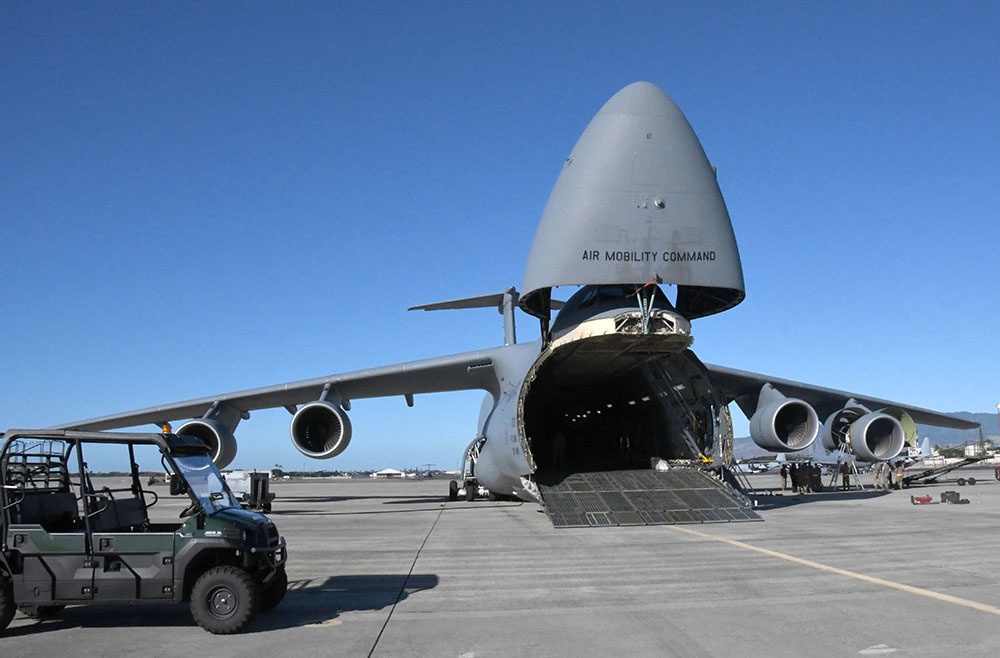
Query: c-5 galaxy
column 610, row 417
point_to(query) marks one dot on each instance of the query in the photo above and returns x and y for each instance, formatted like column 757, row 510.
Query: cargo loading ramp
column 642, row 497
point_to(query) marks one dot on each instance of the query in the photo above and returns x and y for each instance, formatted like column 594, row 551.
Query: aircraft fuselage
column 615, row 388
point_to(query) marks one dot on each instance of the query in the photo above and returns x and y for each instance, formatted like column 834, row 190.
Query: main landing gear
column 470, row 488
column 468, row 491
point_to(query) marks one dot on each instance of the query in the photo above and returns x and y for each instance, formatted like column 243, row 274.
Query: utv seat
column 118, row 515
column 56, row 511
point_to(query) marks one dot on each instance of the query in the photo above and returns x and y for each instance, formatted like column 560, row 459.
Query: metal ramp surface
column 620, row 498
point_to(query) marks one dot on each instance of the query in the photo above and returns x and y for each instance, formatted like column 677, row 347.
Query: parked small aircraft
column 759, row 465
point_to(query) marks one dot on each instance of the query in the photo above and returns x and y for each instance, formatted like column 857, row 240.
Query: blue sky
column 204, row 197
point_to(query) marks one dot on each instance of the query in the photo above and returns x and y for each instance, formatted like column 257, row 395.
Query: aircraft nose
column 637, row 182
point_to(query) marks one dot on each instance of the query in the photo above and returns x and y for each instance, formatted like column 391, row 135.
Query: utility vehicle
column 68, row 540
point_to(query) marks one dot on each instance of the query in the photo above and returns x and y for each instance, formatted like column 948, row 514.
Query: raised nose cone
column 637, row 200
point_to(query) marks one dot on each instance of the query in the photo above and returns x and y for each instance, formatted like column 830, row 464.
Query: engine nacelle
column 873, row 435
column 837, row 428
column 216, row 436
column 910, row 435
column 876, row 437
column 783, row 424
column 320, row 430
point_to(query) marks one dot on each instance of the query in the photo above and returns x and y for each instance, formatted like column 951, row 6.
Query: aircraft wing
column 467, row 371
column 744, row 388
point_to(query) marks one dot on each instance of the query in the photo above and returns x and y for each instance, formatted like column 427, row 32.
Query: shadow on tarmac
column 278, row 511
column 395, row 499
column 307, row 603
column 775, row 498
column 312, row 602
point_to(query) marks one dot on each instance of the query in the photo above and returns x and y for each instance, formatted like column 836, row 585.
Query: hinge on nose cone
column 645, row 295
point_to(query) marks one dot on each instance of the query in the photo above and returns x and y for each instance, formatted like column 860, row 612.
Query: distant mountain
column 946, row 438
column 745, row 448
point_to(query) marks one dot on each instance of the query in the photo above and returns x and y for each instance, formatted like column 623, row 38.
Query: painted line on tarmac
column 938, row 596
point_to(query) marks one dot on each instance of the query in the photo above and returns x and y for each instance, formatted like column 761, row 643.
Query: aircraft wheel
column 453, row 490
column 470, row 491
column 7, row 607
column 961, row 482
column 224, row 600
column 272, row 593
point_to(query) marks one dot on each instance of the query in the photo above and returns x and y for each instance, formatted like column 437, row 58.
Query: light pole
column 998, row 412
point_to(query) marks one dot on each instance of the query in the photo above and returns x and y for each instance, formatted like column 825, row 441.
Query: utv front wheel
column 7, row 606
column 272, row 593
column 224, row 600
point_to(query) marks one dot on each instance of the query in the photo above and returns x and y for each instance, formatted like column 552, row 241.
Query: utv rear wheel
column 224, row 600
column 272, row 593
column 7, row 606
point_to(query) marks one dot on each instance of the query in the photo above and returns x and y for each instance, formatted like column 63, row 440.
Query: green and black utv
column 66, row 541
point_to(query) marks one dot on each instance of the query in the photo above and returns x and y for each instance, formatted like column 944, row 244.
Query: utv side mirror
column 178, row 486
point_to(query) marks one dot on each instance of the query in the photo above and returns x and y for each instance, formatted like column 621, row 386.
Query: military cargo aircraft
column 612, row 386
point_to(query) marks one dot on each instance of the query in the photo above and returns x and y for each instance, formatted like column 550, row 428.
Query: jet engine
column 216, row 436
column 872, row 435
column 320, row 430
column 781, row 423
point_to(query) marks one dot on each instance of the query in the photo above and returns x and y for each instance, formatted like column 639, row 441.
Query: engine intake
column 876, row 437
column 320, row 430
column 781, row 423
column 216, row 436
column 873, row 435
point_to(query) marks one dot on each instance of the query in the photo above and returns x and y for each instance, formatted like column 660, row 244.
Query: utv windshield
column 205, row 483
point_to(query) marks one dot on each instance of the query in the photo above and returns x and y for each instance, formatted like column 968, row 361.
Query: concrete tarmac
column 393, row 569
